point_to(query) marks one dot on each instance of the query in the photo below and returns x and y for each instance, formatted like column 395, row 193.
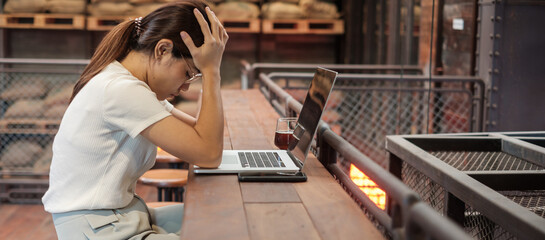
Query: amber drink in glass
column 284, row 132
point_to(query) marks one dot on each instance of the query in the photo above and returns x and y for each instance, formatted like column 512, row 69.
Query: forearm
column 210, row 121
column 184, row 117
column 200, row 143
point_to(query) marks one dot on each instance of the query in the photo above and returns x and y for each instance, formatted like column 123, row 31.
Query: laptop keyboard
column 260, row 159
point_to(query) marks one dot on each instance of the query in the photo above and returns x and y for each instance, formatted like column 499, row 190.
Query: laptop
column 288, row 161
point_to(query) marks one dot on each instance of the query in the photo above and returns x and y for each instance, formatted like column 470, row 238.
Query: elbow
column 215, row 158
column 212, row 159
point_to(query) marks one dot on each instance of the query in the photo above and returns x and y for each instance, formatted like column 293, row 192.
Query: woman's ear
column 163, row 48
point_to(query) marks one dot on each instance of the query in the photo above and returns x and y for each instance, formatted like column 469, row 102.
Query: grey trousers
column 133, row 222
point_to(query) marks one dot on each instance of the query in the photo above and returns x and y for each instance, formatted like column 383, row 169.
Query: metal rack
column 492, row 184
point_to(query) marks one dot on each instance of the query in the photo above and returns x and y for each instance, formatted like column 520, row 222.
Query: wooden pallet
column 42, row 21
column 23, row 190
column 241, row 25
column 26, row 124
column 303, row 26
column 105, row 23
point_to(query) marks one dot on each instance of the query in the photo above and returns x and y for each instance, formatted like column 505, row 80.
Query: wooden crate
column 303, row 26
column 27, row 124
column 42, row 21
column 105, row 23
column 23, row 190
column 241, row 25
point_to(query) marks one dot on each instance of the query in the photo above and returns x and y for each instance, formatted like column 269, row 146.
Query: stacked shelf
column 42, row 21
column 106, row 23
column 303, row 26
column 242, row 25
column 39, row 126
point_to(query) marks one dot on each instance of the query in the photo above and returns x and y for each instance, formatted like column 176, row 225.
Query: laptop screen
column 312, row 110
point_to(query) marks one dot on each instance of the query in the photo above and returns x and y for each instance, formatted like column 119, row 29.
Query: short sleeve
column 130, row 105
column 167, row 105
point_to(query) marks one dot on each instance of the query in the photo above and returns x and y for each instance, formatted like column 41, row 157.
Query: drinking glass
column 284, row 132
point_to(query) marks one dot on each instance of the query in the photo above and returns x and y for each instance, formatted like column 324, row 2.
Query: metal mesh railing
column 531, row 200
column 428, row 190
column 484, row 161
column 32, row 105
column 34, row 93
column 475, row 223
column 487, row 161
column 365, row 108
column 407, row 216
column 249, row 72
column 481, row 227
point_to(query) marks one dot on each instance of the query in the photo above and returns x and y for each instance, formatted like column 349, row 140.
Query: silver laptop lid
column 310, row 115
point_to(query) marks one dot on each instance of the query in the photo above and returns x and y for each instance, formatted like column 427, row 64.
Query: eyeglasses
column 194, row 76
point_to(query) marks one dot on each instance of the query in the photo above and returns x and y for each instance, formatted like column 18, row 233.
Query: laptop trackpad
column 229, row 159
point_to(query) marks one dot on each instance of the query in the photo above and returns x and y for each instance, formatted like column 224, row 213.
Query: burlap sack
column 59, row 95
column 25, row 6
column 315, row 9
column 281, row 10
column 25, row 109
column 169, row 1
column 44, row 161
column 285, row 1
column 142, row 1
column 237, row 10
column 25, row 88
column 145, row 9
column 66, row 6
column 110, row 9
column 55, row 111
column 117, row 1
column 20, row 154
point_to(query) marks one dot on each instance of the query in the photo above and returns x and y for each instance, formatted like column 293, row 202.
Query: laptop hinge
column 298, row 163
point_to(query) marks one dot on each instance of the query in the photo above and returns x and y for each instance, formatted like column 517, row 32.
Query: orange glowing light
column 368, row 187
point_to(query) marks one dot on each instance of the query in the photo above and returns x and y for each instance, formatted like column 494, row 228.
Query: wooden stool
column 161, row 204
column 173, row 162
column 169, row 182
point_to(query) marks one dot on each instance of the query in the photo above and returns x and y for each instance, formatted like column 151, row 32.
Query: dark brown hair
column 164, row 23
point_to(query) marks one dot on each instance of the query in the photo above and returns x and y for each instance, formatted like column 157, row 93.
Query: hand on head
column 208, row 56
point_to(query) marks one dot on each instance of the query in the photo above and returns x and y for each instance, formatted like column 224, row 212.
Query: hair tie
column 138, row 22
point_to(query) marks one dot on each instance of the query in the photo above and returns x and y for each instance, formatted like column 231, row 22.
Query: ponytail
column 114, row 46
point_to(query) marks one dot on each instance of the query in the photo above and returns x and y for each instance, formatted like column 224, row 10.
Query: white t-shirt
column 98, row 152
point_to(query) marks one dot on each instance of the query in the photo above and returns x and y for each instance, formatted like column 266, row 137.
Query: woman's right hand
column 207, row 57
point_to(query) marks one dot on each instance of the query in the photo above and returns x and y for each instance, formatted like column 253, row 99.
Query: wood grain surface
column 220, row 207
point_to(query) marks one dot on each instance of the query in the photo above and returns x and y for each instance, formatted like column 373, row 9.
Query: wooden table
column 219, row 207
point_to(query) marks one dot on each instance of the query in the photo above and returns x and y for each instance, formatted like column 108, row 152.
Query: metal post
column 381, row 58
column 454, row 208
column 370, row 43
column 327, row 154
column 488, row 40
column 395, row 167
column 409, row 22
column 393, row 32
column 353, row 50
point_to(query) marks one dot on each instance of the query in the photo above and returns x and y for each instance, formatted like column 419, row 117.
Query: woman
column 118, row 116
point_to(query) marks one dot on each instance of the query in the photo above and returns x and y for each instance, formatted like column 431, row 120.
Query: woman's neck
column 137, row 64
